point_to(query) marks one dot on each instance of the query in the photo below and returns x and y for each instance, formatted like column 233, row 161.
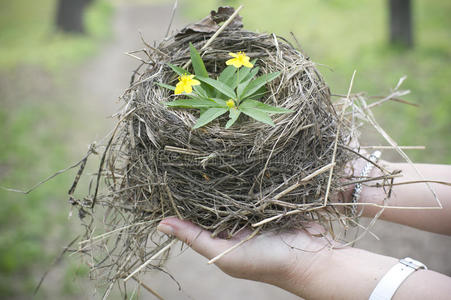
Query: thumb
column 194, row 236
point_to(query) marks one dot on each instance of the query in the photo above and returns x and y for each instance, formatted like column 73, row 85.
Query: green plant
column 236, row 90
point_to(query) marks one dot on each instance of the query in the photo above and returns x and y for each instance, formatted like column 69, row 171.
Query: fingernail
column 165, row 229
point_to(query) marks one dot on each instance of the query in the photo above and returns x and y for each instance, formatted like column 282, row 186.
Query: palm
column 263, row 258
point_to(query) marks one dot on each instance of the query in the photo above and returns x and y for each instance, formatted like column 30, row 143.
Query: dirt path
column 105, row 77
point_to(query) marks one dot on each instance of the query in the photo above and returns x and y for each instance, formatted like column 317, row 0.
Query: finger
column 194, row 236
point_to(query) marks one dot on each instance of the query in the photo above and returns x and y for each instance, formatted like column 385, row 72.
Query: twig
column 181, row 150
column 304, row 180
column 385, row 206
column 148, row 288
column 213, row 37
column 297, row 43
column 168, row 191
column 81, row 162
column 367, row 229
column 267, row 220
column 135, row 57
column 372, row 121
column 174, row 8
column 371, row 179
column 57, row 261
column 104, row 235
column 156, row 255
column 252, row 235
column 374, row 104
column 412, row 182
column 336, row 139
column 391, row 147
column 102, row 161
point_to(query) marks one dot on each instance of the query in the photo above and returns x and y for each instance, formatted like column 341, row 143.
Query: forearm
column 414, row 195
column 306, row 265
column 352, row 273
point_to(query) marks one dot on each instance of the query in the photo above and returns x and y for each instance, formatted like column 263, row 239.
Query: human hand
column 283, row 259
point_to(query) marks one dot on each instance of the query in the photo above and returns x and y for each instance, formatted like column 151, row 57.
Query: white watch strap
column 391, row 281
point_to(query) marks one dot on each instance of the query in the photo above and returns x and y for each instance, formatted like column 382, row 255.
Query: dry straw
column 272, row 178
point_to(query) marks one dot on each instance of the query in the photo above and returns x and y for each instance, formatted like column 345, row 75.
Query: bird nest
column 251, row 175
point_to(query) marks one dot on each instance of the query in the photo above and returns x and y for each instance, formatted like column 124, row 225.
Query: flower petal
column 179, row 88
column 188, row 89
column 237, row 64
column 247, row 64
column 233, row 54
column 230, row 61
column 194, row 82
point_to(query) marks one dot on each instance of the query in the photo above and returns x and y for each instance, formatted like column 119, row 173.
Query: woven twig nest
column 155, row 165
column 224, row 179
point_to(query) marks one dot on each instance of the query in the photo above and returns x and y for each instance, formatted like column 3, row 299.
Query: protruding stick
column 221, row 29
column 252, row 235
column 150, row 259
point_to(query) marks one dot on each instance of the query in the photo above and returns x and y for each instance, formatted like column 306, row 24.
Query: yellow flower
column 230, row 103
column 185, row 84
column 240, row 59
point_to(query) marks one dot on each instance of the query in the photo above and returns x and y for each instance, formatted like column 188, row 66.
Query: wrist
column 373, row 194
column 306, row 265
column 348, row 273
column 354, row 173
column 367, row 192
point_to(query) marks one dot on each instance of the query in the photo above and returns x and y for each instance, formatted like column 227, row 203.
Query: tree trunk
column 69, row 17
column 401, row 22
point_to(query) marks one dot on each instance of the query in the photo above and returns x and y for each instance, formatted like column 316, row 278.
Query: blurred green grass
column 352, row 34
column 35, row 115
column 28, row 36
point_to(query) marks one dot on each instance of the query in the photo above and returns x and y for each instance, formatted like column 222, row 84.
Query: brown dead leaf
column 210, row 23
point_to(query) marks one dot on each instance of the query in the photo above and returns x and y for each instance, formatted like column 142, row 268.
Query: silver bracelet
column 374, row 157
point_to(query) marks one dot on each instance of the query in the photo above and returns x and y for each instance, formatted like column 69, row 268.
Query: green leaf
column 200, row 91
column 169, row 87
column 220, row 102
column 198, row 63
column 249, row 104
column 223, row 88
column 256, row 84
column 199, row 68
column 241, row 87
column 192, row 103
column 226, row 75
column 257, row 115
column 178, row 70
column 245, row 71
column 233, row 115
column 244, row 74
column 208, row 116
column 258, row 94
column 252, row 73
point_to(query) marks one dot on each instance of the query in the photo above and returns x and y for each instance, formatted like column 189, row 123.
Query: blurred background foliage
column 28, row 34
column 37, row 126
